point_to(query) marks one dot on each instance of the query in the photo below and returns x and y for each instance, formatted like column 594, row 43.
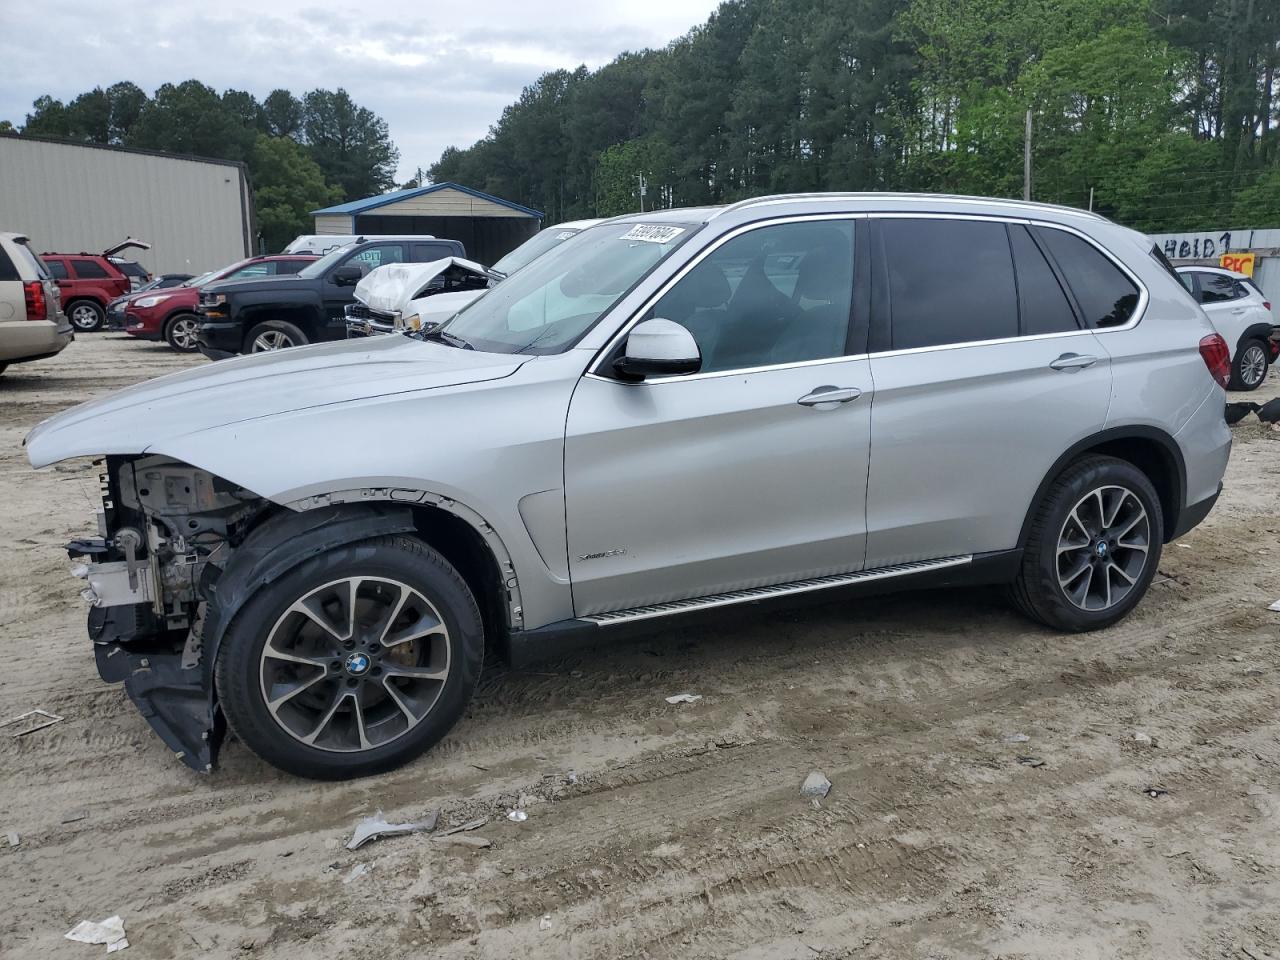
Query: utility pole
column 1026, row 160
column 643, row 187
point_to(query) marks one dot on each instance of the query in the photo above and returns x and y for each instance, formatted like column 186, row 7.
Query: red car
column 170, row 315
column 90, row 281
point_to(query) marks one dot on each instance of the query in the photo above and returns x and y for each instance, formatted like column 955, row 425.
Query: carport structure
column 488, row 226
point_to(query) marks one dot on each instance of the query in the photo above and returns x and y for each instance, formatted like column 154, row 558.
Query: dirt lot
column 684, row 834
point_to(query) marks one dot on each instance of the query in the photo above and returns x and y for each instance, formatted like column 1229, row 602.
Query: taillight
column 1217, row 357
column 1267, row 304
column 37, row 305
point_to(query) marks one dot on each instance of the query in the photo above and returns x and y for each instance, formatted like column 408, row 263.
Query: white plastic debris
column 372, row 828
column 545, row 922
column 109, row 931
column 13, row 838
column 31, row 721
column 356, row 872
column 517, row 816
column 684, row 698
column 1015, row 738
column 1275, row 606
column 815, row 785
column 1140, row 737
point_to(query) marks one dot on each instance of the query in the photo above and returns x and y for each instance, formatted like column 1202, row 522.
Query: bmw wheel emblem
column 1101, row 550
column 357, row 664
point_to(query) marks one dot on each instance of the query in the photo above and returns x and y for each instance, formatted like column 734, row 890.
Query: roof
column 395, row 196
column 117, row 148
column 909, row 199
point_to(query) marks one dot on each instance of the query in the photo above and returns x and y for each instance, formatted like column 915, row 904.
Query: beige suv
column 32, row 324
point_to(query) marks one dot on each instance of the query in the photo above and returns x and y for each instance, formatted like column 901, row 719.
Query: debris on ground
column 1237, row 411
column 1269, row 412
column 572, row 777
column 110, row 931
column 1140, row 737
column 356, row 872
column 375, row 827
column 1155, row 793
column 815, row 785
column 1031, row 761
column 71, row 816
column 1015, row 738
column 13, row 839
column 545, row 922
column 517, row 816
column 463, row 840
column 462, row 828
column 684, row 698
column 32, row 721
column 1275, row 606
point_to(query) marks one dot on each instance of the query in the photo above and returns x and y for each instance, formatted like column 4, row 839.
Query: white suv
column 1242, row 314
column 32, row 324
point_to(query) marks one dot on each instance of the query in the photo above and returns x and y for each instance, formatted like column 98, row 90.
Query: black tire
column 241, row 670
column 1249, row 367
column 86, row 315
column 278, row 331
column 180, row 332
column 1038, row 592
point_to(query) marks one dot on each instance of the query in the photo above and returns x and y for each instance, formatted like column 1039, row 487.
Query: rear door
column 984, row 375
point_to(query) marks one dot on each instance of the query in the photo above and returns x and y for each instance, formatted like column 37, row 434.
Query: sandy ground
column 684, row 834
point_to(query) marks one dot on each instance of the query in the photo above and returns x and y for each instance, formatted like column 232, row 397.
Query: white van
column 321, row 243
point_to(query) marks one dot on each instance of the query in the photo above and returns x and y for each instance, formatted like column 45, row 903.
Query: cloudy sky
column 439, row 74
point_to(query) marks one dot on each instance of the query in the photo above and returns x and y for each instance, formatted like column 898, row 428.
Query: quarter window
column 778, row 294
column 950, row 281
column 1218, row 288
column 89, row 270
column 1107, row 297
column 1042, row 303
column 7, row 270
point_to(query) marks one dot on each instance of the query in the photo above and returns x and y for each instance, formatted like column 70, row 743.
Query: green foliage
column 288, row 185
column 349, row 142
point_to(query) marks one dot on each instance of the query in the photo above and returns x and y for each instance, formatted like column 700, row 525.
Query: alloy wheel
column 271, row 340
column 84, row 317
column 183, row 333
column 1253, row 365
column 1103, row 548
column 355, row 664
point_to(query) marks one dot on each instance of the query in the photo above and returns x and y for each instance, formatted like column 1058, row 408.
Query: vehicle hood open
column 140, row 418
column 389, row 289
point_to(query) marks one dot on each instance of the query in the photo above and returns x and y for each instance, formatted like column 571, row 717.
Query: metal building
column 71, row 197
column 488, row 226
column 1255, row 253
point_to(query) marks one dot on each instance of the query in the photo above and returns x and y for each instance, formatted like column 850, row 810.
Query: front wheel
column 354, row 662
column 1249, row 368
column 274, row 335
column 86, row 316
column 1093, row 548
column 182, row 332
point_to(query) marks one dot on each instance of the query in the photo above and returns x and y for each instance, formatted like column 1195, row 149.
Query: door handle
column 1073, row 361
column 821, row 396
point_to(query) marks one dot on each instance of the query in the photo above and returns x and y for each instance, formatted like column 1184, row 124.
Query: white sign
column 652, row 233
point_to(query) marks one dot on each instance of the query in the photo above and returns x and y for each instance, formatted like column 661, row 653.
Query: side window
column 1188, row 280
column 1107, row 298
column 426, row 252
column 373, row 256
column 777, row 294
column 290, row 266
column 254, row 270
column 1216, row 288
column 57, row 269
column 1042, row 303
column 89, row 270
column 950, row 281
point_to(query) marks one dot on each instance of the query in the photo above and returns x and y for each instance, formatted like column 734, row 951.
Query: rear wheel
column 1093, row 548
column 354, row 662
column 274, row 335
column 86, row 316
column 181, row 332
column 1249, row 368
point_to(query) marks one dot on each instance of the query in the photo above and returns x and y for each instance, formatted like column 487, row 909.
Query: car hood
column 280, row 282
column 388, row 289
column 139, row 419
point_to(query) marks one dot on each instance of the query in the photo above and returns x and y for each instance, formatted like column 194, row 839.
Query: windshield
column 532, row 249
column 321, row 266
column 548, row 305
column 203, row 278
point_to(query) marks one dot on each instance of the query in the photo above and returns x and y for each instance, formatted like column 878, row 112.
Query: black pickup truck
column 250, row 316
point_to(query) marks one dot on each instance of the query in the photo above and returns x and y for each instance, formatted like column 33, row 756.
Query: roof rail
column 890, row 195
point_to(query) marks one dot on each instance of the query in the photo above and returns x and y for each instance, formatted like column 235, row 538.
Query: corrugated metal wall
column 69, row 198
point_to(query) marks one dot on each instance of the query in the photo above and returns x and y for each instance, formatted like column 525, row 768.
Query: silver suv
column 668, row 413
column 32, row 324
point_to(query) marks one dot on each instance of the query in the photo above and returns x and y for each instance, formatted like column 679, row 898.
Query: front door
column 368, row 257
column 739, row 475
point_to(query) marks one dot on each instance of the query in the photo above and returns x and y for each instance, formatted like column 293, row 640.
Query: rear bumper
column 1192, row 516
column 32, row 339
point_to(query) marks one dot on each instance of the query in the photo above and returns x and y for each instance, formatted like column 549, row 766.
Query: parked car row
column 90, row 282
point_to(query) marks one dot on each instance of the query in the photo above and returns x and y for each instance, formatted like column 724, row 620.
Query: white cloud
column 438, row 75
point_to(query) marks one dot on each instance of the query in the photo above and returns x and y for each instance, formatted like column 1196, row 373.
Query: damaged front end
column 166, row 531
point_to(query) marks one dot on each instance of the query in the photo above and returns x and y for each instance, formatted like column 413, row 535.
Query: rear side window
column 57, row 269
column 1042, row 303
column 1106, row 297
column 254, row 270
column 8, row 271
column 1219, row 288
column 950, row 281
column 131, row 269
column 89, row 269
column 426, row 252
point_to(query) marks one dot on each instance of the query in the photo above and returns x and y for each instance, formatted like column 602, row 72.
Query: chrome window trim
column 1139, row 311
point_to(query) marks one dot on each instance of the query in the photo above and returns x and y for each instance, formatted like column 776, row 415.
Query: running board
column 777, row 590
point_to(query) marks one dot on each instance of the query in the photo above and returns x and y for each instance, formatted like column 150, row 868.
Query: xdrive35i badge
column 615, row 552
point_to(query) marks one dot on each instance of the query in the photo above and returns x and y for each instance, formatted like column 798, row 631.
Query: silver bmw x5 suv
column 669, row 412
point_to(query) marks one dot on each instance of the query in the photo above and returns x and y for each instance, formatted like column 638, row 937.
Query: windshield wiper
column 444, row 336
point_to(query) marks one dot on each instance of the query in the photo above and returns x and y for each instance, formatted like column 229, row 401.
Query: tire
column 180, row 332
column 1249, row 367
column 86, row 315
column 277, row 332
column 315, row 700
column 1045, row 589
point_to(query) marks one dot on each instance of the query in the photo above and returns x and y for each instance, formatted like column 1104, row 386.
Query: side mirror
column 658, row 347
column 347, row 276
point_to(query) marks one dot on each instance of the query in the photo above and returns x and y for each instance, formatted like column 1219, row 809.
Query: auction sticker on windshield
column 652, row 233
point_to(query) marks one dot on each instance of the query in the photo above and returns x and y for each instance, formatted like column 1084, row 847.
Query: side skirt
column 566, row 636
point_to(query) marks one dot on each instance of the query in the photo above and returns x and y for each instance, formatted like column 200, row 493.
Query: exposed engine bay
column 166, row 531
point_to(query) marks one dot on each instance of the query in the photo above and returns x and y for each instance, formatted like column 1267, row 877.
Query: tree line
column 1161, row 113
column 301, row 153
